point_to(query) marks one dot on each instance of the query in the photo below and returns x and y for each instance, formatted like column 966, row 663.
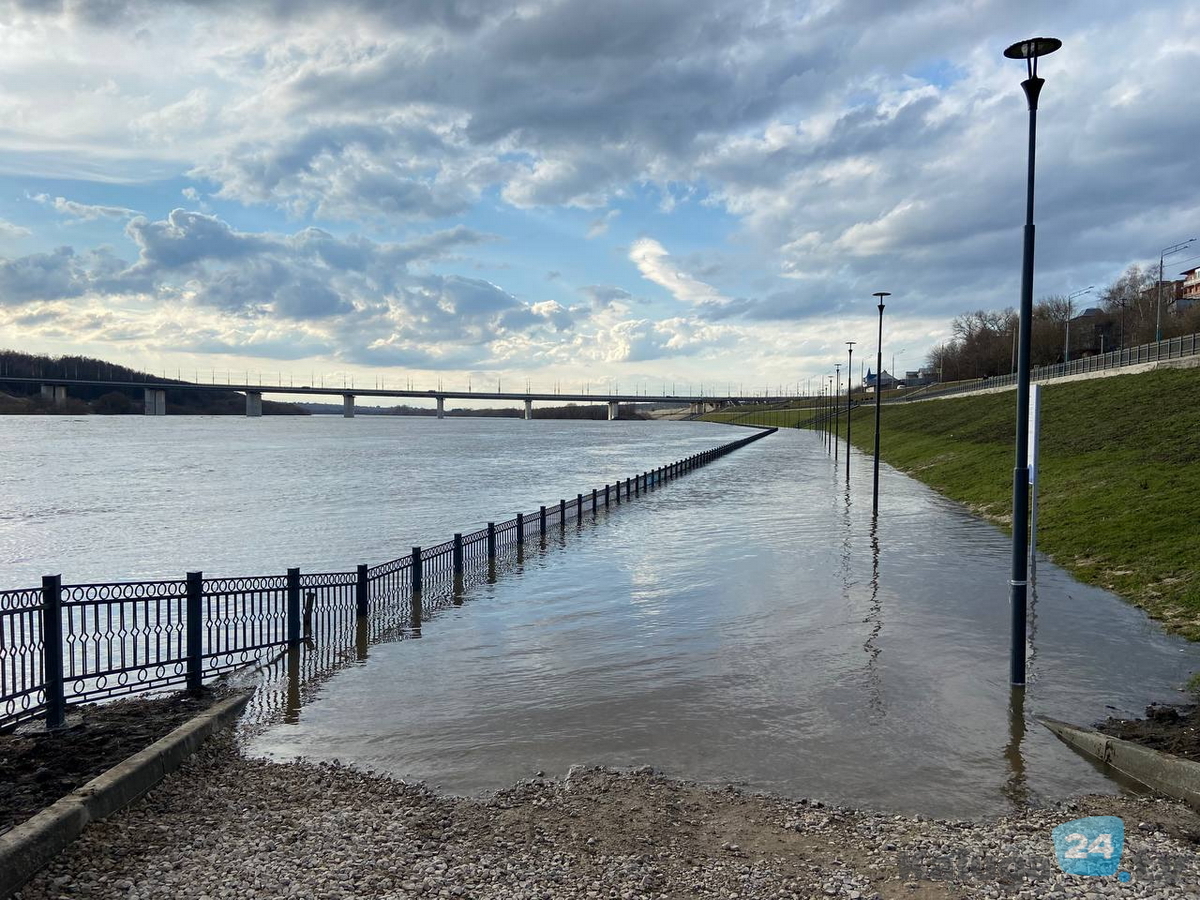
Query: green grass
column 1119, row 504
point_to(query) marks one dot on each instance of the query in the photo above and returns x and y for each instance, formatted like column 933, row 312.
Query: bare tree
column 1131, row 299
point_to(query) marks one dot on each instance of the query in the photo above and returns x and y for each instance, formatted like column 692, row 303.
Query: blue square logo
column 1090, row 846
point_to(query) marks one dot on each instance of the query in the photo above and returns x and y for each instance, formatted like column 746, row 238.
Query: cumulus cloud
column 369, row 301
column 822, row 151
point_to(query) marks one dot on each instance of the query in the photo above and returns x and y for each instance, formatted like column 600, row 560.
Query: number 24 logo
column 1079, row 848
column 1090, row 846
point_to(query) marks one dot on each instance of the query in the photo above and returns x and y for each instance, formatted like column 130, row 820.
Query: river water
column 748, row 623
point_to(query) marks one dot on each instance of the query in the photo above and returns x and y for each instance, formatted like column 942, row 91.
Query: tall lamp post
column 1168, row 251
column 829, row 416
column 837, row 411
column 1029, row 51
column 849, row 393
column 878, row 400
column 1067, row 330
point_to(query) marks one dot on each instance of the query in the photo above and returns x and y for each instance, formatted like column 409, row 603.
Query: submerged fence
column 83, row 642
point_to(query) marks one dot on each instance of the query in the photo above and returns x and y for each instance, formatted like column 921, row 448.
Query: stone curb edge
column 1167, row 774
column 25, row 849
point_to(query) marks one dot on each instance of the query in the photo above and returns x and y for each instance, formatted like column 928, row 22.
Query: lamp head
column 1032, row 48
column 1029, row 50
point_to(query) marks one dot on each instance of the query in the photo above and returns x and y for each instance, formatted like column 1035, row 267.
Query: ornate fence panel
column 122, row 637
column 87, row 642
column 241, row 617
column 22, row 676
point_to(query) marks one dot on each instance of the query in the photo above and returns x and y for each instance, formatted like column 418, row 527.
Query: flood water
column 749, row 623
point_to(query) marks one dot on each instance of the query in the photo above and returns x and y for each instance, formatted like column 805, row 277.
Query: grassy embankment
column 1120, row 476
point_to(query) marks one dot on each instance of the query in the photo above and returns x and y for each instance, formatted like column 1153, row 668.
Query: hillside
column 1120, row 474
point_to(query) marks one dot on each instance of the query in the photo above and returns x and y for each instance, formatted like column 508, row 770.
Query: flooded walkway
column 753, row 624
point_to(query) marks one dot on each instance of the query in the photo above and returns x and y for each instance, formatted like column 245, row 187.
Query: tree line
column 1125, row 315
column 82, row 399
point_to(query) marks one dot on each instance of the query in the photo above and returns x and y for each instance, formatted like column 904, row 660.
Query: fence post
column 520, row 529
column 606, row 496
column 416, row 570
column 293, row 607
column 192, row 631
column 491, row 538
column 542, row 518
column 362, row 591
column 594, row 493
column 579, row 508
column 457, row 554
column 562, row 513
column 52, row 656
column 310, row 599
column 637, row 485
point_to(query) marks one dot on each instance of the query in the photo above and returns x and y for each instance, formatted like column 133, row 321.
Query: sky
column 574, row 194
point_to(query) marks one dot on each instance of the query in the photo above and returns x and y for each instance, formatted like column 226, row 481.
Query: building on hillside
column 1093, row 332
column 886, row 381
column 920, row 377
column 1189, row 296
column 1172, row 291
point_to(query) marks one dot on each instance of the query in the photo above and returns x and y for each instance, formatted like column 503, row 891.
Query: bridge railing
column 62, row 644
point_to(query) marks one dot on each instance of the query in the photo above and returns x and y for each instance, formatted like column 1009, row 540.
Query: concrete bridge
column 155, row 393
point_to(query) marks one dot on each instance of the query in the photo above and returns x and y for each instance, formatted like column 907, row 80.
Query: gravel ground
column 229, row 827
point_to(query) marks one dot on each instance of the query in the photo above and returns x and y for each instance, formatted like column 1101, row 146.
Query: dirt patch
column 38, row 766
column 1168, row 729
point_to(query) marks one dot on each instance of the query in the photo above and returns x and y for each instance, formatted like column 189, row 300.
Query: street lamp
column 1174, row 248
column 1029, row 51
column 878, row 399
column 849, row 393
column 829, row 416
column 837, row 411
column 1067, row 337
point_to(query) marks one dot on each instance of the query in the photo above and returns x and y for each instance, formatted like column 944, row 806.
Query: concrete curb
column 29, row 846
column 1167, row 774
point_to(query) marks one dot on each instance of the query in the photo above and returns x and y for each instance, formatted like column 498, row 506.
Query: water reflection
column 1016, row 786
column 874, row 619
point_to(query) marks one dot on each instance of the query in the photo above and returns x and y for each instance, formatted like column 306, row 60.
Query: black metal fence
column 1156, row 351
column 63, row 644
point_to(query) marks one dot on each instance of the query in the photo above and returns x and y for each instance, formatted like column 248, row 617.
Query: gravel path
column 228, row 827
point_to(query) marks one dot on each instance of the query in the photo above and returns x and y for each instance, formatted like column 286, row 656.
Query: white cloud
column 10, row 230
column 810, row 153
column 653, row 261
column 86, row 212
column 600, row 226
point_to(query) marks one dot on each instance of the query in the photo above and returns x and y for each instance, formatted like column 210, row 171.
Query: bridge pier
column 347, row 406
column 156, row 402
column 614, row 409
column 55, row 393
column 528, row 409
column 441, row 406
column 253, row 404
